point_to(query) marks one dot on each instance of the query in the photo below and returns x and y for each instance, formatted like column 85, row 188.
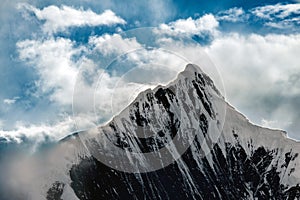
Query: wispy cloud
column 232, row 15
column 60, row 18
column 10, row 101
column 279, row 15
column 38, row 132
column 276, row 11
column 275, row 124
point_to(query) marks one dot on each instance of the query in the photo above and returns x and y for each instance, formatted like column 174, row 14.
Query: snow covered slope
column 180, row 141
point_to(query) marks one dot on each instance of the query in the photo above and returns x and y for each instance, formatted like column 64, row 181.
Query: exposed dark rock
column 56, row 191
column 234, row 176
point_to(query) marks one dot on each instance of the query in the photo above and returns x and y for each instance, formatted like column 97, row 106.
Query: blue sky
column 46, row 44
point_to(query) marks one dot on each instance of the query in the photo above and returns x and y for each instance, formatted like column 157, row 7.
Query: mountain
column 180, row 141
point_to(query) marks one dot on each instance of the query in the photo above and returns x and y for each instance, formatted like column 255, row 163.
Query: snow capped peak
column 192, row 68
column 179, row 141
column 186, row 129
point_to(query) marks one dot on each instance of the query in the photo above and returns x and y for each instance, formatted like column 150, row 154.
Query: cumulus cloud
column 62, row 68
column 259, row 74
column 60, row 18
column 205, row 23
column 113, row 44
column 52, row 59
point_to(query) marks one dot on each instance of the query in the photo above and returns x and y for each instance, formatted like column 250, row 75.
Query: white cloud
column 10, row 101
column 59, row 72
column 52, row 59
column 276, row 55
column 279, row 16
column 257, row 73
column 59, row 19
column 39, row 132
column 108, row 44
column 276, row 11
column 274, row 124
column 232, row 15
column 206, row 23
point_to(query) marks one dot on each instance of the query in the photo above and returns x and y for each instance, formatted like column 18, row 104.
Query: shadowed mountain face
column 236, row 176
column 226, row 157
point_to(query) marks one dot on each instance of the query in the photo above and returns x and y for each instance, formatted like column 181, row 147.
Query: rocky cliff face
column 180, row 141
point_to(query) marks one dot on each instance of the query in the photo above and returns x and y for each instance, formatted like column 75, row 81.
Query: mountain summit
column 180, row 141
